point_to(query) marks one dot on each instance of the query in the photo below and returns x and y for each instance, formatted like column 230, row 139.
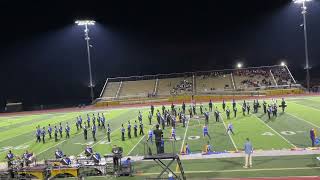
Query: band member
column 96, row 158
column 205, row 131
column 88, row 120
column 230, row 128
column 60, row 130
column 56, row 133
column 183, row 107
column 77, row 123
column 194, row 109
column 188, row 151
column 223, row 105
column 99, row 120
column 129, row 130
column 312, row 136
column 66, row 160
column 123, row 130
column 183, row 120
column 108, row 132
column 38, row 134
column 43, row 134
column 80, row 122
column 201, row 108
column 173, row 121
column 94, row 130
column 206, row 117
column 103, row 121
column 275, row 111
column 58, row 154
column 140, row 117
column 269, row 111
column 264, row 104
column 283, row 105
column 49, row 131
column 141, row 129
column 173, row 133
column 168, row 117
column 248, row 108
column 190, row 112
column 172, row 106
column 93, row 120
column 217, row 115
column 234, row 104
column 152, row 109
column 150, row 135
column 88, row 151
column 210, row 105
column 67, row 131
column 135, row 129
column 150, row 117
column 228, row 113
column 163, row 109
column 158, row 116
column 163, row 123
column 85, row 131
column 244, row 110
column 9, row 158
column 235, row 111
column 27, row 158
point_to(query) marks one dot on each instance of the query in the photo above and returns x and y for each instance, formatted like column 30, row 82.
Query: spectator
column 248, row 150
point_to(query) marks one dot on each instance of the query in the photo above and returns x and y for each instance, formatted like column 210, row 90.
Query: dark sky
column 43, row 55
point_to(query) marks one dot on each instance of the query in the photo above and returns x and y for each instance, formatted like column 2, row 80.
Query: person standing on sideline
column 248, row 150
column 312, row 136
column 158, row 137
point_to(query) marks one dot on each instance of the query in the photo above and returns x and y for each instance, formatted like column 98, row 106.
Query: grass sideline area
column 288, row 130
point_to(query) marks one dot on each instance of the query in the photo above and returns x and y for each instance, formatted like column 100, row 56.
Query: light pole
column 86, row 24
column 304, row 12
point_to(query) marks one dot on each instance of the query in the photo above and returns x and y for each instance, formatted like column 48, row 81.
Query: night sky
column 43, row 53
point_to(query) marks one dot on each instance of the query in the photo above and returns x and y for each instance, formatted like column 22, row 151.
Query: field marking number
column 287, row 133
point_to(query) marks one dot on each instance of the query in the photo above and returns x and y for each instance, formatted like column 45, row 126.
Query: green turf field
column 288, row 130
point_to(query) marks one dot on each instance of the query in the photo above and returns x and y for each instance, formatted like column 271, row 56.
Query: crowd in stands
column 212, row 74
column 255, row 77
column 215, row 74
column 181, row 87
column 282, row 76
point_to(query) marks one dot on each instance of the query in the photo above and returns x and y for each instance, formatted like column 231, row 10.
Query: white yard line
column 138, row 142
column 245, row 170
column 135, row 145
column 225, row 126
column 51, row 147
column 274, row 131
column 185, row 134
column 305, row 106
column 302, row 120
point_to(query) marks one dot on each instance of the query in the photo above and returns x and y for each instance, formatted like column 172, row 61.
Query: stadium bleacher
column 213, row 81
column 209, row 82
column 139, row 88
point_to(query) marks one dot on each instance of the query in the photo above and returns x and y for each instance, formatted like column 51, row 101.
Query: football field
column 288, row 130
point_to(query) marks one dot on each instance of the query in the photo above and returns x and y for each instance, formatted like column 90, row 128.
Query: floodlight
column 300, row 1
column 282, row 63
column 85, row 22
column 239, row 65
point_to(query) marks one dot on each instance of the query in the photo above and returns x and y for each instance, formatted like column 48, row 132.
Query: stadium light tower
column 239, row 65
column 304, row 12
column 282, row 63
column 86, row 24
